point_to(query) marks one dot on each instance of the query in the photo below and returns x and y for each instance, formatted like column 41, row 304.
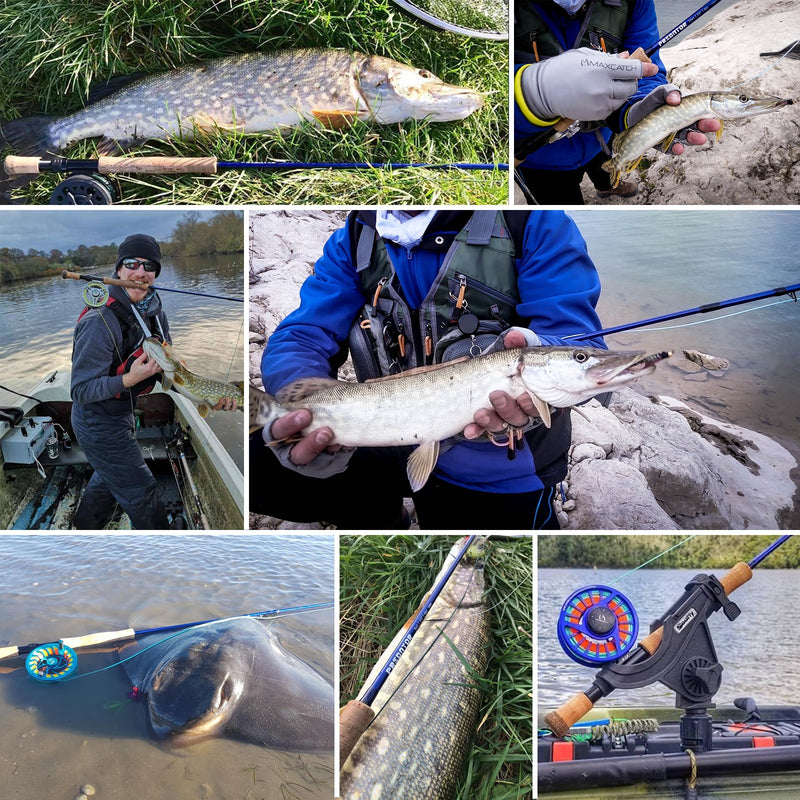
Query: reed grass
column 383, row 579
column 55, row 50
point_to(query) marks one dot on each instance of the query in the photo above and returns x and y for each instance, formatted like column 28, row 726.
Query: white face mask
column 570, row 6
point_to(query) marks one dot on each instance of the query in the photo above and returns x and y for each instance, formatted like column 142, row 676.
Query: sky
column 66, row 228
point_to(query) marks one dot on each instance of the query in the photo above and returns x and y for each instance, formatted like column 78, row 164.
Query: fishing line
column 766, row 69
column 724, row 316
column 654, row 558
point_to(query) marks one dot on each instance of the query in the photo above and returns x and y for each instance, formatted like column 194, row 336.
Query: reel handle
column 564, row 717
column 354, row 719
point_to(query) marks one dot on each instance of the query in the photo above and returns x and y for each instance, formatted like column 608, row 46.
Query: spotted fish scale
column 418, row 743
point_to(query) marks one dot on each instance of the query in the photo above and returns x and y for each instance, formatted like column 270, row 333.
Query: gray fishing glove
column 582, row 84
column 650, row 102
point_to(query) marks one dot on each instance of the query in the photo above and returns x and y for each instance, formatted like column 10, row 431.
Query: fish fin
column 335, row 119
column 608, row 166
column 112, row 147
column 299, row 390
column 421, row 463
column 239, row 385
column 29, row 136
column 417, row 370
column 202, row 410
column 667, row 142
column 542, row 407
column 719, row 132
column 166, row 382
column 177, row 380
column 208, row 124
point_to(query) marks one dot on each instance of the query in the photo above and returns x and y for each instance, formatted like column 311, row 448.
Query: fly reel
column 84, row 190
column 596, row 625
column 95, row 294
column 51, row 662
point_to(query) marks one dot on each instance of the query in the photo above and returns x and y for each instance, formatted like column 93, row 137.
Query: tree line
column 716, row 551
column 192, row 236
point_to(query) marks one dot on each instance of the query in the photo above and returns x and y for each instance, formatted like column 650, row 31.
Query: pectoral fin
column 542, row 407
column 335, row 118
column 202, row 410
column 421, row 463
column 166, row 381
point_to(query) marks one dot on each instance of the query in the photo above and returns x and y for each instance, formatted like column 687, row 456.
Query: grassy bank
column 383, row 578
column 54, row 51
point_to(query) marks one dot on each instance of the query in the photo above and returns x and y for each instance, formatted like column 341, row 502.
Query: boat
column 44, row 470
column 625, row 753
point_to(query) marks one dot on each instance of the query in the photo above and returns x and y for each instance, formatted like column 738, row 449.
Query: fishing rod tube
column 779, row 291
column 76, row 276
column 563, row 718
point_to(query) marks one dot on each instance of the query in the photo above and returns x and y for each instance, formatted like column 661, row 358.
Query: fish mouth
column 625, row 366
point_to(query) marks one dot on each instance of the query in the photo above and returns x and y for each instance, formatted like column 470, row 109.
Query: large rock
column 670, row 466
column 758, row 159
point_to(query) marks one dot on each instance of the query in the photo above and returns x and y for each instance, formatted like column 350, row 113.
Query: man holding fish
column 109, row 371
column 573, row 62
column 406, row 289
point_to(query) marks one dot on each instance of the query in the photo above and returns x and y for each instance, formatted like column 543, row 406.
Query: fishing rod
column 87, row 184
column 682, row 26
column 670, row 654
column 126, row 284
column 192, row 486
column 108, row 637
column 779, row 291
column 357, row 715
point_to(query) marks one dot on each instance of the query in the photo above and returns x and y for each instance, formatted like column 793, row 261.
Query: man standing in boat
column 109, row 371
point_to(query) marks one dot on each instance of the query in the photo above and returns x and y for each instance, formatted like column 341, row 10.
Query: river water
column 659, row 260
column 55, row 738
column 37, row 320
column 758, row 650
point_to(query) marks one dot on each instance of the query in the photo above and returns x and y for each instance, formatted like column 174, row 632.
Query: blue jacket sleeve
column 303, row 344
column 559, row 285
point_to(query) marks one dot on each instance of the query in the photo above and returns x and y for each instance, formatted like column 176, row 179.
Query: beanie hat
column 140, row 245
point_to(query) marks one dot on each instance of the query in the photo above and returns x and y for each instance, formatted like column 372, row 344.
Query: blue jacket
column 575, row 151
column 558, row 287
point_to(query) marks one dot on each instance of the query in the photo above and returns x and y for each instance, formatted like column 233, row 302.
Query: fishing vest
column 602, row 28
column 132, row 338
column 472, row 300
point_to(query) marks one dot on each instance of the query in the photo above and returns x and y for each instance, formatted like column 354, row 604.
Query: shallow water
column 757, row 650
column 54, row 738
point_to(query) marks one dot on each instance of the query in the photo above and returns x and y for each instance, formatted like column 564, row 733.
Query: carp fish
column 420, row 738
column 250, row 93
column 426, row 406
column 203, row 392
column 661, row 125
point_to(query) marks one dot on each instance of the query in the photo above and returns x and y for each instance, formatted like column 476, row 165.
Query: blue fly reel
column 51, row 662
column 597, row 625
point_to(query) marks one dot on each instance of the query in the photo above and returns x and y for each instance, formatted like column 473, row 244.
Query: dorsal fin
column 418, row 370
column 299, row 390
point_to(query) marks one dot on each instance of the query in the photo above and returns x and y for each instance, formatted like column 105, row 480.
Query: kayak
column 619, row 753
column 44, row 470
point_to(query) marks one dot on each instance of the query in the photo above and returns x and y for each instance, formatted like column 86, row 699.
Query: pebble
column 81, row 797
column 88, row 789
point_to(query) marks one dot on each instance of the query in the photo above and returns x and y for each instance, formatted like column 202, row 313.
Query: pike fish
column 423, row 407
column 417, row 745
column 204, row 392
column 661, row 125
column 250, row 93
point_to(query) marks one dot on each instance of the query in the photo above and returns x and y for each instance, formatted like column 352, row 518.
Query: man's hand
column 692, row 136
column 505, row 410
column 226, row 404
column 141, row 369
column 309, row 446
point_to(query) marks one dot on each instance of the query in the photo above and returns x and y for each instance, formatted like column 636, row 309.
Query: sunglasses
column 135, row 263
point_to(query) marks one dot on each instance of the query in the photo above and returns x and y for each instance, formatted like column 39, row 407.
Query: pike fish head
column 729, row 105
column 160, row 353
column 395, row 92
column 564, row 376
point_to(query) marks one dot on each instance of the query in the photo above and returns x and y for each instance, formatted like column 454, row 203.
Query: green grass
column 383, row 578
column 54, row 50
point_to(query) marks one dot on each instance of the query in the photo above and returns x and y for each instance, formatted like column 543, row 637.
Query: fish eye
column 580, row 356
column 423, row 73
column 743, row 98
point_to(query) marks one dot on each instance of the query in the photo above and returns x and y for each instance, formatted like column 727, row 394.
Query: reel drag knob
column 597, row 625
column 51, row 662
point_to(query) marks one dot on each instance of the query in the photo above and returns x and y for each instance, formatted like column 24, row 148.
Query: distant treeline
column 192, row 236
column 625, row 550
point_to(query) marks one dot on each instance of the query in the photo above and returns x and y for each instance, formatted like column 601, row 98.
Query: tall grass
column 54, row 50
column 383, row 578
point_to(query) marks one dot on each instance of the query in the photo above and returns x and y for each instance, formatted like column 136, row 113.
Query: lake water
column 659, row 260
column 37, row 320
column 758, row 651
column 55, row 738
